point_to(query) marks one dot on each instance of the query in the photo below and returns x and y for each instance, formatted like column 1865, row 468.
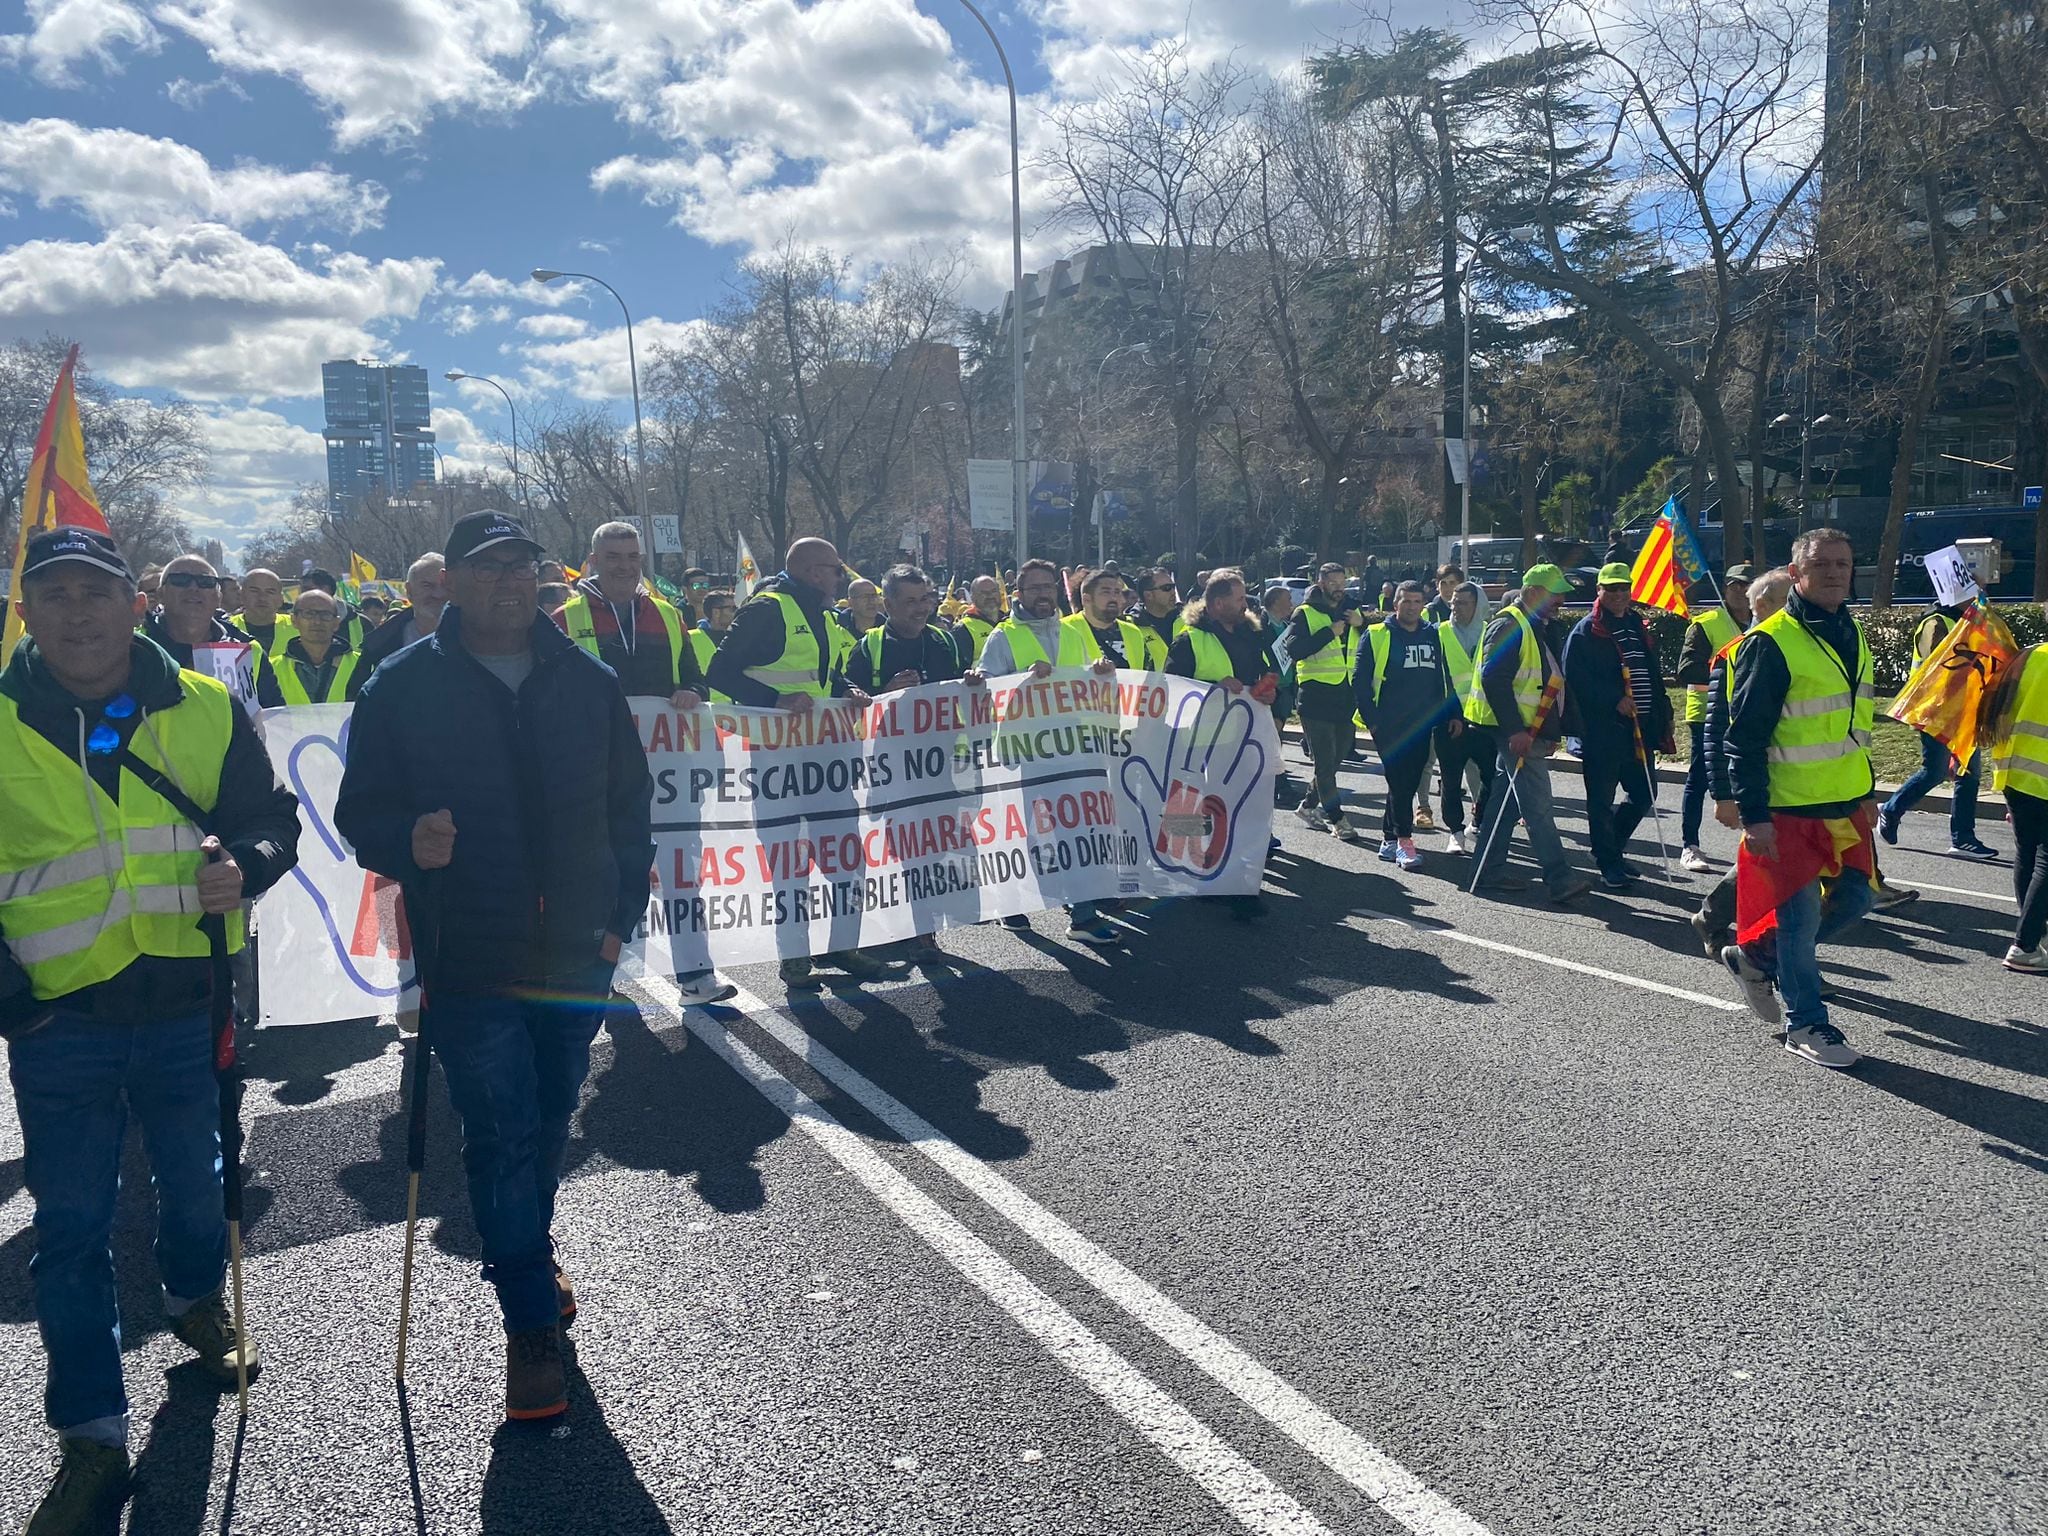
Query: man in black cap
column 495, row 772
column 137, row 804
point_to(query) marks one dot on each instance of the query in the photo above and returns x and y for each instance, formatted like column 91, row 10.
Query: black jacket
column 1716, row 733
column 381, row 644
column 549, row 792
column 1499, row 659
column 756, row 640
column 255, row 818
column 1592, row 680
column 1762, row 680
column 1328, row 702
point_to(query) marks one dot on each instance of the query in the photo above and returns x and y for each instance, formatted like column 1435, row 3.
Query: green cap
column 1546, row 576
column 1617, row 574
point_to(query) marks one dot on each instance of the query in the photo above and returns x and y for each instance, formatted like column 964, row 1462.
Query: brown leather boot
column 565, row 1294
column 535, row 1384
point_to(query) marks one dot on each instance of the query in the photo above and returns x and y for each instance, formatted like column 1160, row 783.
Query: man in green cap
column 1517, row 694
column 1624, row 714
column 1710, row 636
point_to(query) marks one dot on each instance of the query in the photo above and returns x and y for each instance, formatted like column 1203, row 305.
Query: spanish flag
column 58, row 492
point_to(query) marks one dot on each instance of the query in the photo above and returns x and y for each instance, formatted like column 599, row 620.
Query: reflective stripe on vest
column 1137, row 650
column 1025, row 650
column 1819, row 751
column 1212, row 658
column 582, row 628
column 797, row 669
column 1457, row 660
column 872, row 643
column 292, row 683
column 1330, row 664
column 2021, row 761
column 1721, row 630
column 1529, row 678
column 89, row 885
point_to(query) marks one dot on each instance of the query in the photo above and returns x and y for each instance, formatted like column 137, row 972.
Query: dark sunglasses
column 189, row 579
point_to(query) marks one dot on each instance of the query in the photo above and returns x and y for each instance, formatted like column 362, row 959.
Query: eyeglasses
column 500, row 570
column 189, row 579
column 316, row 615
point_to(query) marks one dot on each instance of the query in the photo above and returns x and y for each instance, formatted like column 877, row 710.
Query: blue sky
column 214, row 196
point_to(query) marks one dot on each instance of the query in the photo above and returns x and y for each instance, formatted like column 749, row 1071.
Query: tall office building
column 378, row 434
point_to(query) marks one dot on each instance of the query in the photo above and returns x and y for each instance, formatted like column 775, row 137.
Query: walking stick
column 1649, row 779
column 425, row 934
column 1553, row 685
column 227, row 1070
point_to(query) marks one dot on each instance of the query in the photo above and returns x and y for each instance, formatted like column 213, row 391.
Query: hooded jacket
column 549, row 790
column 255, row 817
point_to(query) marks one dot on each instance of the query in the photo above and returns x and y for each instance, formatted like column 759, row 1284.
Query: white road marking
column 1640, row 983
column 1253, row 1499
column 1382, row 1479
column 1952, row 890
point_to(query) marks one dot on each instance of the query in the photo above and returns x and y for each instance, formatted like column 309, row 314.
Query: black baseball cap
column 476, row 532
column 79, row 546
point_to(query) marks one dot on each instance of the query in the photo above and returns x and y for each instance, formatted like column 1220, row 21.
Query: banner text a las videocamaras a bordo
column 782, row 833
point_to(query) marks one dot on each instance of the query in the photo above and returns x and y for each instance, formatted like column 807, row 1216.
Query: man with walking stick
column 138, row 812
column 495, row 772
column 1516, row 692
column 1617, row 687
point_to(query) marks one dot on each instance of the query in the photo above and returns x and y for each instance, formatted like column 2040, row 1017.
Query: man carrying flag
column 1710, row 636
column 1671, row 560
column 1798, row 749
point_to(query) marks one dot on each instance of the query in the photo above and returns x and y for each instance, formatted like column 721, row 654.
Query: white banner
column 331, row 938
column 781, row 834
column 991, row 494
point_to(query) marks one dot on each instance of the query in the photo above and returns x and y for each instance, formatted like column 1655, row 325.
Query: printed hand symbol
column 1214, row 762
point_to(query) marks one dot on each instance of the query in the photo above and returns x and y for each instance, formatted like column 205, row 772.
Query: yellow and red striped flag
column 1671, row 561
column 58, row 492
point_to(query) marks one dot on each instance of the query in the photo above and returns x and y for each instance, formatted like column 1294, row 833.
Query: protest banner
column 779, row 833
column 330, row 937
column 231, row 663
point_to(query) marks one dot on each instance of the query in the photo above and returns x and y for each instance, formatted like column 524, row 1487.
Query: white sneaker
column 2033, row 961
column 1406, row 856
column 1343, row 831
column 1387, row 851
column 707, row 988
column 1692, row 859
column 1454, row 842
column 1313, row 815
column 1823, row 1045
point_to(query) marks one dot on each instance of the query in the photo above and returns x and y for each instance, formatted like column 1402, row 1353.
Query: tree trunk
column 1910, row 422
column 1326, row 514
column 1187, row 447
column 1720, row 443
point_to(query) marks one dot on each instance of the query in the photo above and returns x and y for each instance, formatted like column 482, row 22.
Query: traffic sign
column 2031, row 496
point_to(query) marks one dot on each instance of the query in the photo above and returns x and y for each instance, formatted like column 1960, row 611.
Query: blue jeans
column 75, row 1081
column 1530, row 790
column 515, row 1069
column 1803, row 923
column 1931, row 775
column 1692, row 809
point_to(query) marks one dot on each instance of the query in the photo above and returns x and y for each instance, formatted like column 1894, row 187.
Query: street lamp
column 1101, row 522
column 548, row 275
column 1019, row 461
column 1806, row 430
column 456, row 376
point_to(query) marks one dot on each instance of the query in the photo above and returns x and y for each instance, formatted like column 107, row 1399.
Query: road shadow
column 2013, row 1118
column 667, row 1102
column 376, row 1185
column 174, row 1473
column 2018, row 1045
column 302, row 1061
column 566, row 1477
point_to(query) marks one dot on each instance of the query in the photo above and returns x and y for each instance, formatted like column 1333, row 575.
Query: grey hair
column 433, row 559
column 901, row 575
column 618, row 529
column 1774, row 586
column 1811, row 540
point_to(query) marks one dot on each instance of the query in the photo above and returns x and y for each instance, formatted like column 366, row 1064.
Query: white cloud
column 380, row 69
column 488, row 285
column 594, row 366
column 206, row 311
column 192, row 94
column 116, row 177
column 257, row 459
column 555, row 326
column 62, row 32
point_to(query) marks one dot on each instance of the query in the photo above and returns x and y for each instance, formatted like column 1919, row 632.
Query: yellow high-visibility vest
column 1720, row 628
column 1212, row 658
column 1142, row 650
column 805, row 655
column 1529, row 678
column 1819, row 751
column 704, row 645
column 291, row 682
column 978, row 630
column 582, row 628
column 1331, row 663
column 89, row 885
column 1458, row 662
column 1025, row 650
column 2021, row 761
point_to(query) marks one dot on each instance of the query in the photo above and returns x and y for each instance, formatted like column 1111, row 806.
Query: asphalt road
column 1398, row 1210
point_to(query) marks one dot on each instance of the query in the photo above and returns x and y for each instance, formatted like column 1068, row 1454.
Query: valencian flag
column 1671, row 561
column 1945, row 692
column 58, row 492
